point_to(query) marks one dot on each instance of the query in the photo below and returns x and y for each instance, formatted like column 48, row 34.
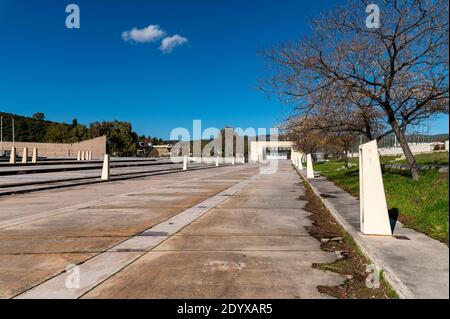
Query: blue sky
column 92, row 74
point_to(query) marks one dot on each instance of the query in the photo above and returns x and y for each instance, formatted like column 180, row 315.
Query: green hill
column 123, row 141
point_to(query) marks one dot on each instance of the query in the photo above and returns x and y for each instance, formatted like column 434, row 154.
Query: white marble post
column 12, row 156
column 34, row 158
column 309, row 167
column 105, row 169
column 25, row 155
column 374, row 216
column 185, row 163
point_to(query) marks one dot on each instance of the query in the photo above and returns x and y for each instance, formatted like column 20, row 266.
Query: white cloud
column 169, row 43
column 148, row 34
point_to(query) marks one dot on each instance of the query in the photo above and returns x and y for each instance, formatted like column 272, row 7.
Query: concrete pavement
column 219, row 233
column 415, row 265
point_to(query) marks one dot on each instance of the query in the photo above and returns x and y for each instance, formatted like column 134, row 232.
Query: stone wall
column 60, row 150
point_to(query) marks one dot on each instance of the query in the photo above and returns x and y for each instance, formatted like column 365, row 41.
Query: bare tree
column 397, row 72
column 308, row 137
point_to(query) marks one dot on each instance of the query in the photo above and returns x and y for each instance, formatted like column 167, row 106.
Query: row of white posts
column 232, row 161
column 13, row 154
column 297, row 161
column 374, row 215
column 106, row 161
column 81, row 156
column 84, row 156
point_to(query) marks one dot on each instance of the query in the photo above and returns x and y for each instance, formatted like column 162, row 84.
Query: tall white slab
column 309, row 167
column 185, row 163
column 12, row 155
column 79, row 156
column 374, row 215
column 83, row 155
column 233, row 160
column 217, row 161
column 25, row 155
column 34, row 158
column 105, row 169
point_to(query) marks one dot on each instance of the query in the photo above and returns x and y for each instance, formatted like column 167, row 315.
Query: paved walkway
column 416, row 265
column 227, row 232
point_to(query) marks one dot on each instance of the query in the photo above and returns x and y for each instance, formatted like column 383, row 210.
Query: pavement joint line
column 240, row 235
column 95, row 180
column 54, row 287
column 68, row 209
column 233, row 250
column 136, row 234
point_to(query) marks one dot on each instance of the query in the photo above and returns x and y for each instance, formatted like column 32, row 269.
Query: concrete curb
column 388, row 274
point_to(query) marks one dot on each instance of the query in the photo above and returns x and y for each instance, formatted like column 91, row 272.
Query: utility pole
column 14, row 141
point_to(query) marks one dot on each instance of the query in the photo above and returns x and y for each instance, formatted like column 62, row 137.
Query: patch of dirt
column 350, row 263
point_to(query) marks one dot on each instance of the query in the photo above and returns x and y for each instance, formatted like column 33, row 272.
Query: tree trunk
column 345, row 157
column 415, row 172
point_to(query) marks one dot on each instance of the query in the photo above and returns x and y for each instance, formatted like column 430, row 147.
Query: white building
column 264, row 150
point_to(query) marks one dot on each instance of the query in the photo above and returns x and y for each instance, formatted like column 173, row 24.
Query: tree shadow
column 393, row 217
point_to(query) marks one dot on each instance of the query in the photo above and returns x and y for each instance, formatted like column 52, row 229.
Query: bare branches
column 396, row 74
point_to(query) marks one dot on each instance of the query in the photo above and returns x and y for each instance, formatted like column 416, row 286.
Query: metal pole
column 14, row 144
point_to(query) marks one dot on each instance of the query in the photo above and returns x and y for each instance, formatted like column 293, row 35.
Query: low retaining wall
column 96, row 145
column 405, row 167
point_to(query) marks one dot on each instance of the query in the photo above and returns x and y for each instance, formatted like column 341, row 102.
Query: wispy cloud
column 151, row 33
column 170, row 43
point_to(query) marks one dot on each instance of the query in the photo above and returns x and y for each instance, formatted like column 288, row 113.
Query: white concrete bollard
column 25, row 155
column 374, row 216
column 233, row 160
column 217, row 161
column 309, row 167
column 79, row 156
column 34, row 158
column 83, row 155
column 89, row 155
column 105, row 169
column 12, row 156
column 185, row 163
